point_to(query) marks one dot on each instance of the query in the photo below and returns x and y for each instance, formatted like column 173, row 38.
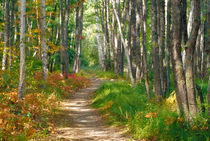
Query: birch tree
column 43, row 42
column 22, row 48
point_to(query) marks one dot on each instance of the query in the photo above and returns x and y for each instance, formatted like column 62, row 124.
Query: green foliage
column 146, row 120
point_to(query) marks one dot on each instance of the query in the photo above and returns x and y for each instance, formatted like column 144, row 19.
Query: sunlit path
column 81, row 122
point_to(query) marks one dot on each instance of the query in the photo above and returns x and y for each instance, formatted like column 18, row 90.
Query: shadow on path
column 78, row 121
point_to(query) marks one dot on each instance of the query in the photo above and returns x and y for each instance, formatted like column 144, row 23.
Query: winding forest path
column 78, row 121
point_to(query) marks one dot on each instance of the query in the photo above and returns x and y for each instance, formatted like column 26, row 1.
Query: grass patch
column 96, row 71
column 146, row 120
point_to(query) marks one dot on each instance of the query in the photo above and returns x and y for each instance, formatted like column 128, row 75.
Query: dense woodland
column 159, row 46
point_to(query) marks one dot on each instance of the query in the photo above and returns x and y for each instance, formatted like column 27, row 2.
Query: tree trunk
column 155, row 51
column 168, row 43
column 107, row 27
column 190, row 49
column 100, row 46
column 7, row 36
column 139, row 20
column 119, row 47
column 11, row 32
column 44, row 48
column 62, row 44
column 133, row 38
column 115, row 44
column 79, row 28
column 102, row 13
column 190, row 20
column 66, row 54
column 22, row 49
column 161, row 42
column 177, row 66
column 208, row 50
column 124, row 44
column 143, row 13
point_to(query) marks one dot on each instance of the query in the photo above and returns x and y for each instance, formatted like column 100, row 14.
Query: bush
column 147, row 120
column 32, row 117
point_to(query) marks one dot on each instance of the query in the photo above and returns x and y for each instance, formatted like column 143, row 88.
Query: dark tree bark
column 208, row 49
column 168, row 44
column 190, row 49
column 155, row 50
column 178, row 71
column 11, row 32
column 139, row 20
column 134, row 51
column 79, row 28
column 143, row 13
column 62, row 51
column 161, row 42
column 115, row 43
column 66, row 54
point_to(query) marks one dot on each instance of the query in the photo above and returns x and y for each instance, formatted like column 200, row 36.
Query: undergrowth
column 32, row 117
column 96, row 71
column 147, row 120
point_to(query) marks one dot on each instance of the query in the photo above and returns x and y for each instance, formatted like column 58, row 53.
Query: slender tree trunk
column 129, row 31
column 100, row 46
column 79, row 28
column 185, row 27
column 124, row 44
column 22, row 49
column 44, row 48
column 155, row 51
column 62, row 44
column 161, row 41
column 107, row 27
column 133, row 38
column 143, row 13
column 124, row 18
column 7, row 36
column 168, row 43
column 115, row 43
column 190, row 20
column 208, row 50
column 77, row 40
column 139, row 20
column 102, row 12
column 11, row 33
column 66, row 54
column 119, row 47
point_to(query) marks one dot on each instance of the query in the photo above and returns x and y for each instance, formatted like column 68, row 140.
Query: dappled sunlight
column 85, row 123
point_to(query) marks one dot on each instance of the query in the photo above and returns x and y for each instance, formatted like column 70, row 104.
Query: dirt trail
column 80, row 122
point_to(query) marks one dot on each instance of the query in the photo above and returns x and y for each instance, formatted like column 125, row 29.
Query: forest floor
column 78, row 121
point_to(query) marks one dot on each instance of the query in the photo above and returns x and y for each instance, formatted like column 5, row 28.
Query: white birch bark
column 22, row 48
column 100, row 47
